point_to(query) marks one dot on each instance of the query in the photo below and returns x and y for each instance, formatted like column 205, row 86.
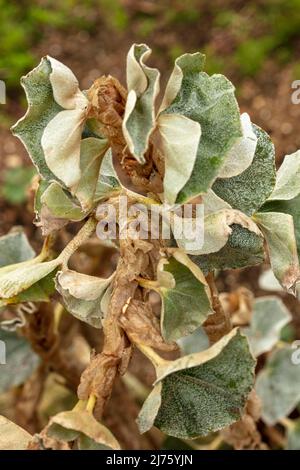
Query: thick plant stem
column 218, row 324
column 99, row 376
column 84, row 234
column 151, row 355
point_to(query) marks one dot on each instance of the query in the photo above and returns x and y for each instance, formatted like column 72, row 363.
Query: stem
column 218, row 324
column 287, row 423
column 142, row 199
column 80, row 405
column 84, row 233
column 215, row 444
column 151, row 355
column 148, row 284
column 281, row 344
column 91, row 403
column 58, row 312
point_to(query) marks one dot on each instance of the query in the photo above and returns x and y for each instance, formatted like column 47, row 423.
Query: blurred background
column 255, row 43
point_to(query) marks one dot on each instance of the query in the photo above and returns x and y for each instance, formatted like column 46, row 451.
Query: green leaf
column 12, row 437
column 179, row 138
column 143, row 88
column 24, row 275
column 217, row 230
column 81, row 425
column 278, row 386
column 250, row 190
column 209, row 101
column 278, row 229
column 288, row 178
column 44, row 217
column 41, row 110
column 291, row 207
column 38, row 292
column 241, row 154
column 21, row 361
column 203, row 392
column 185, row 296
column 184, row 65
column 269, row 316
column 213, row 203
column 61, row 139
column 244, row 248
column 108, row 182
column 83, row 294
column 293, row 436
column 91, row 153
column 52, row 127
column 60, row 204
column 15, row 248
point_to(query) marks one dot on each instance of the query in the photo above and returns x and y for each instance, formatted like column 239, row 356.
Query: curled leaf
column 185, row 64
column 279, row 233
column 62, row 135
column 82, row 295
column 249, row 190
column 218, row 228
column 23, row 276
column 210, row 102
column 179, row 140
column 240, row 156
column 288, row 178
column 143, row 88
column 213, row 203
column 65, row 86
column 291, row 207
column 108, row 182
column 60, row 204
column 81, row 425
column 61, row 145
column 243, row 248
column 42, row 108
column 92, row 151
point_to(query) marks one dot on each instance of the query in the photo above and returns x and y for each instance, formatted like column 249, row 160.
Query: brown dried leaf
column 48, row 223
column 239, row 305
column 142, row 326
column 218, row 324
column 12, row 437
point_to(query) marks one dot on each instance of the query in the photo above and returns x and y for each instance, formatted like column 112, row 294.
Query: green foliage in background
column 257, row 31
column 15, row 184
